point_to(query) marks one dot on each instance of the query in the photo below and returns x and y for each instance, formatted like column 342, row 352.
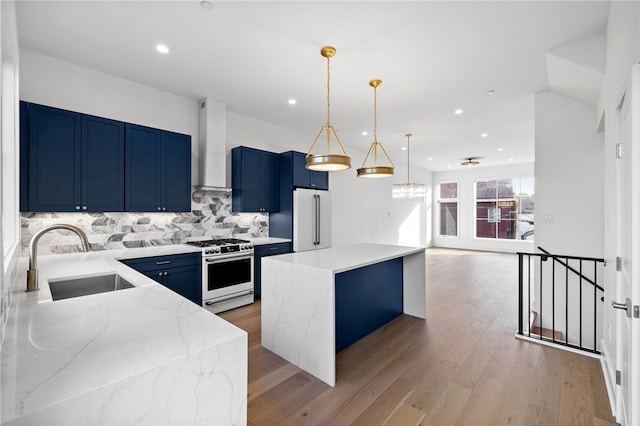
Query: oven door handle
column 231, row 256
column 229, row 297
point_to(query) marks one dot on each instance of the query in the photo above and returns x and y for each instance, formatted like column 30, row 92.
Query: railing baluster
column 566, row 302
column 580, row 284
column 553, row 301
column 520, row 285
column 529, row 293
column 540, row 281
column 595, row 307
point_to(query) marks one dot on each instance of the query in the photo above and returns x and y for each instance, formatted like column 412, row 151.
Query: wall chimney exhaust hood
column 212, row 155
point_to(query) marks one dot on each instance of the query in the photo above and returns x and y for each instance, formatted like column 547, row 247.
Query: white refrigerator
column 311, row 219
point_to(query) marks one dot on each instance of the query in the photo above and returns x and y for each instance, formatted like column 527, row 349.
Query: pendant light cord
column 408, row 135
column 328, row 91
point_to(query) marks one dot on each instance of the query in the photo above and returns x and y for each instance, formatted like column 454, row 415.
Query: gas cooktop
column 217, row 242
column 223, row 246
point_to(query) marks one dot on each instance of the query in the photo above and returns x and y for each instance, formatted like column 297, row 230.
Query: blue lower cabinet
column 259, row 252
column 181, row 273
column 366, row 299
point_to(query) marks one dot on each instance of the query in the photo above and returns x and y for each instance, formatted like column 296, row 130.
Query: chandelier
column 408, row 190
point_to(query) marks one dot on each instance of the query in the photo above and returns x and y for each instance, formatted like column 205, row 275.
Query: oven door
column 227, row 281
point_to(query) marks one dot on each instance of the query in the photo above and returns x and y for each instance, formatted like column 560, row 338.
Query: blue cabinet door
column 255, row 180
column 185, row 281
column 102, row 164
column 245, row 180
column 54, row 160
column 305, row 178
column 143, row 176
column 259, row 252
column 176, row 173
column 24, row 156
column 270, row 172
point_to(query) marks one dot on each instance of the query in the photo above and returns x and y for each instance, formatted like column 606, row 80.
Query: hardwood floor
column 462, row 366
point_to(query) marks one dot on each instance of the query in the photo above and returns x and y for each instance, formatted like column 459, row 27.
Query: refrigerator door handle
column 318, row 220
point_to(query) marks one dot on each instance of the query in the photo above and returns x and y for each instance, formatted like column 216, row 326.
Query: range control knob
column 207, row 251
column 215, row 250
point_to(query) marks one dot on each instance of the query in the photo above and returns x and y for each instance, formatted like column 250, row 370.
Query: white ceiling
column 432, row 58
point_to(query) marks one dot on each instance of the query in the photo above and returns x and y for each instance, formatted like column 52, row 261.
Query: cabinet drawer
column 148, row 264
column 272, row 249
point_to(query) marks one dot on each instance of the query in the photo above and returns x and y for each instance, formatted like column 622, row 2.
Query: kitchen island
column 142, row 355
column 318, row 302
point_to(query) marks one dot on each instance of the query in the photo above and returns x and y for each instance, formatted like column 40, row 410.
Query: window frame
column 497, row 200
column 448, row 200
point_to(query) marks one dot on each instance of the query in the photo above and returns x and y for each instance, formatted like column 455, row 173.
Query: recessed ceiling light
column 206, row 4
column 458, row 111
column 429, row 158
column 404, row 148
column 365, row 133
column 292, row 101
column 484, row 135
column 449, row 166
column 510, row 159
column 500, row 149
column 491, row 92
column 162, row 48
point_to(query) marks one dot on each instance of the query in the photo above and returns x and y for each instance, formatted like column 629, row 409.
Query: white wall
column 569, row 173
column 49, row 81
column 466, row 179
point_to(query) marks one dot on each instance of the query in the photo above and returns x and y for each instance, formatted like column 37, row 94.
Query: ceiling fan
column 470, row 161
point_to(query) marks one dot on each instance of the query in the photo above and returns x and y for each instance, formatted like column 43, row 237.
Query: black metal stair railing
column 562, row 297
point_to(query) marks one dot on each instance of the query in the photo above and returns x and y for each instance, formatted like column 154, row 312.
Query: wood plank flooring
column 462, row 366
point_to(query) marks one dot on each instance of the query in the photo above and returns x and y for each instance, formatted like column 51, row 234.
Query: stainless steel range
column 227, row 273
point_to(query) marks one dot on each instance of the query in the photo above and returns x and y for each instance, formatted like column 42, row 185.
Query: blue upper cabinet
column 158, row 170
column 176, row 171
column 255, row 180
column 75, row 161
column 303, row 177
column 102, row 165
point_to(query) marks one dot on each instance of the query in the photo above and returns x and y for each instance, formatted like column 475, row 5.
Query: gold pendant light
column 408, row 190
column 373, row 169
column 329, row 162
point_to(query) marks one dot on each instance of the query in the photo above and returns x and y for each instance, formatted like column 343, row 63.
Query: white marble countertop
column 55, row 351
column 269, row 240
column 345, row 258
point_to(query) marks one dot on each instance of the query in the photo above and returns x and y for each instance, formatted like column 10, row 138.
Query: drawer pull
column 165, row 262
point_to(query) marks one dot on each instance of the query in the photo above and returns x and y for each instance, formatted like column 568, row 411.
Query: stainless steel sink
column 76, row 287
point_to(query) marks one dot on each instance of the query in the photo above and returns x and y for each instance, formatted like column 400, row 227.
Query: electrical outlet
column 548, row 218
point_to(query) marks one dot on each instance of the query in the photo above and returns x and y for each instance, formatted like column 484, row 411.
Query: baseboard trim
column 561, row 347
column 609, row 381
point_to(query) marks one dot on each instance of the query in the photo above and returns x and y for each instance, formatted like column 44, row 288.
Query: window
column 504, row 208
column 448, row 208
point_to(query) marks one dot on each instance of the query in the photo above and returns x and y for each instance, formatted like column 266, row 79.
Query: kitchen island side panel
column 298, row 318
column 366, row 299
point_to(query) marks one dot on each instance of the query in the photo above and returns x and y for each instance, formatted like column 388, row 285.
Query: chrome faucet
column 32, row 273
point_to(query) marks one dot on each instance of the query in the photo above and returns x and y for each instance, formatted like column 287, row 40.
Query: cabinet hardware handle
column 77, row 207
column 84, row 207
column 164, row 262
column 164, row 208
column 159, row 208
column 159, row 274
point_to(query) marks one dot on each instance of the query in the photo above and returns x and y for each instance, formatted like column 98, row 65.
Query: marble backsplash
column 210, row 217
